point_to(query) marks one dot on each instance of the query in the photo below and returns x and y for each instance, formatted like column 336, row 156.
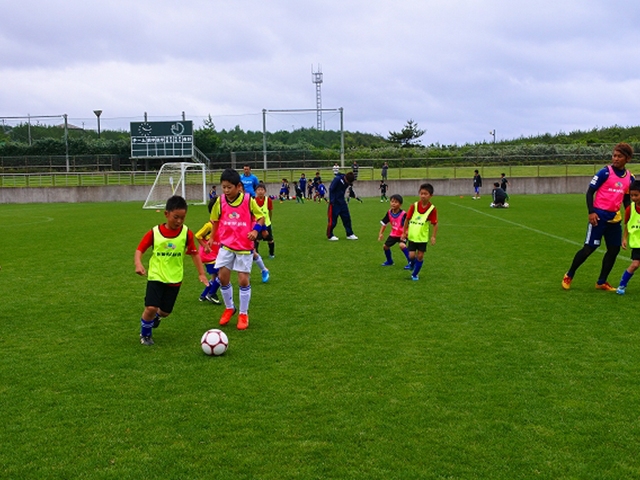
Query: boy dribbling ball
column 171, row 241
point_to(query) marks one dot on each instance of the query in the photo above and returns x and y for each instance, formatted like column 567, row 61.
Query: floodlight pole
column 98, row 113
column 264, row 140
column 66, row 140
column 341, row 137
column 493, row 133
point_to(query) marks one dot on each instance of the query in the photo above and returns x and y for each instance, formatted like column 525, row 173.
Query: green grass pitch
column 485, row 368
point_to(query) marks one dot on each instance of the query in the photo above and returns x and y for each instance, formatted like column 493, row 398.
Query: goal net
column 187, row 179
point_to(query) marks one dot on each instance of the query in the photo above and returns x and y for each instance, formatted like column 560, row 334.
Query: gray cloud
column 458, row 68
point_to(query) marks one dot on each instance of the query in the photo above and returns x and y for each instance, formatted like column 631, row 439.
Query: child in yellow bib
column 421, row 216
column 170, row 243
column 631, row 235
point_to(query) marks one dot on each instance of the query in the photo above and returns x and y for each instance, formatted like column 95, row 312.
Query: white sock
column 258, row 261
column 227, row 295
column 245, row 298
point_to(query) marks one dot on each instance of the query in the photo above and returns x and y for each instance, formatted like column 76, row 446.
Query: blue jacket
column 337, row 190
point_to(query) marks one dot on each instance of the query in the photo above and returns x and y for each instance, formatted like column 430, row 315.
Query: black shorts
column 635, row 254
column 417, row 246
column 268, row 238
column 161, row 295
column 391, row 241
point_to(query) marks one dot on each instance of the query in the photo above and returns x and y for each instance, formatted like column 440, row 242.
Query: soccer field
column 485, row 368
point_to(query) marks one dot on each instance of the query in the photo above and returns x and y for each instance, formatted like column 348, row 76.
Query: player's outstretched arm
column 198, row 263
column 137, row 259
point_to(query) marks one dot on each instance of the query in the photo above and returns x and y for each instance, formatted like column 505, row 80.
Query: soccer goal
column 187, row 179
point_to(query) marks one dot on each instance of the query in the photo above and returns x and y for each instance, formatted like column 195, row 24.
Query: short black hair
column 496, row 184
column 350, row 177
column 428, row 187
column 261, row 185
column 635, row 185
column 397, row 197
column 231, row 176
column 176, row 203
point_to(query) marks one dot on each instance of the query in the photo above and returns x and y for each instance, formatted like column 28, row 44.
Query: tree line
column 405, row 144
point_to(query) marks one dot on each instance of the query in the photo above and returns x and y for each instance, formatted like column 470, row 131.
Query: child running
column 321, row 191
column 396, row 217
column 170, row 242
column 208, row 254
column 631, row 235
column 236, row 219
column 266, row 234
column 420, row 217
column 383, row 192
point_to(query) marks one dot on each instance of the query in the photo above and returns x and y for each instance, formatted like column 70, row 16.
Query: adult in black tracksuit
column 338, row 206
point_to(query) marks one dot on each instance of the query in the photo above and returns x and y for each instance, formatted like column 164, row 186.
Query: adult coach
column 608, row 190
column 249, row 181
column 338, row 206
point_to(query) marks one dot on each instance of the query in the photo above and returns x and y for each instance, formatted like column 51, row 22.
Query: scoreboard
column 162, row 139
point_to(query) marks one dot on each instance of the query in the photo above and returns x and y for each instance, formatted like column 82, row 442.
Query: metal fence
column 108, row 178
column 485, row 155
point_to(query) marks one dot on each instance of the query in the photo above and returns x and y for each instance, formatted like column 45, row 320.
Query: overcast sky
column 459, row 68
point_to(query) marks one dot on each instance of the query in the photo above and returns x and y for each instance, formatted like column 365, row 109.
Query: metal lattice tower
column 316, row 77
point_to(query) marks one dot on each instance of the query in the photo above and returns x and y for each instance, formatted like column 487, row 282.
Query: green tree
column 408, row 136
column 206, row 138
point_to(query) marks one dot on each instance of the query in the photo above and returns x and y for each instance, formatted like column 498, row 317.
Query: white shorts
column 239, row 262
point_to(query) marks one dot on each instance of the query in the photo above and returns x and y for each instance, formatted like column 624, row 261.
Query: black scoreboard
column 162, row 139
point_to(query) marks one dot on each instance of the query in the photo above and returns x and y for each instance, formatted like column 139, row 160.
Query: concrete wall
column 442, row 187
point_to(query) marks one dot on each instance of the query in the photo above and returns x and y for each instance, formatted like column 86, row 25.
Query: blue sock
column 405, row 250
column 146, row 327
column 417, row 267
column 214, row 285
column 387, row 253
column 626, row 276
column 206, row 291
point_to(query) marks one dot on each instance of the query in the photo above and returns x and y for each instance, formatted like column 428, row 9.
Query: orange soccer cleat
column 226, row 315
column 243, row 321
column 605, row 286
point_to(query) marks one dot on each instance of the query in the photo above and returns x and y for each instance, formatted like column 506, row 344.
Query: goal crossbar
column 187, row 179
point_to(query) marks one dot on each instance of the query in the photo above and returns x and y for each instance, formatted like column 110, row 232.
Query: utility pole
column 316, row 77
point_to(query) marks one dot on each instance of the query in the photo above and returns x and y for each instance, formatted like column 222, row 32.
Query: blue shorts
column 476, row 189
column 211, row 268
column 611, row 232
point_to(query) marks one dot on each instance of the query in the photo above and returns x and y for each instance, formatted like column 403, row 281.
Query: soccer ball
column 214, row 342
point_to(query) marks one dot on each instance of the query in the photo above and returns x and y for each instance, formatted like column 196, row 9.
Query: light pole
column 493, row 133
column 98, row 113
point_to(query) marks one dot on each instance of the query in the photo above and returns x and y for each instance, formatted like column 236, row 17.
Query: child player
column 420, row 217
column 208, row 253
column 266, row 234
column 321, row 191
column 383, row 192
column 396, row 217
column 236, row 219
column 631, row 235
column 170, row 242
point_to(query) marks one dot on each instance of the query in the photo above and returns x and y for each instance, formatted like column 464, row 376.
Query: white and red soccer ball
column 214, row 342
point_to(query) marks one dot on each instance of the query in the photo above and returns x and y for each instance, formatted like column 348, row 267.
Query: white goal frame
column 187, row 179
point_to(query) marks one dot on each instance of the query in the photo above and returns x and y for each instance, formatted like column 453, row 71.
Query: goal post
column 187, row 179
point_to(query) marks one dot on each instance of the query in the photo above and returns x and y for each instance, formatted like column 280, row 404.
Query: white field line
column 531, row 229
